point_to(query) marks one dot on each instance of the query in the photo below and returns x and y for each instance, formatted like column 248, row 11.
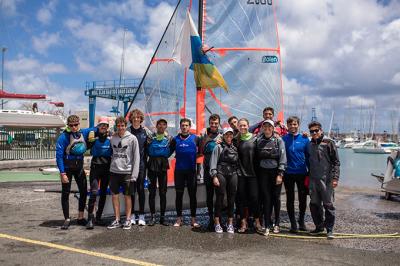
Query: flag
column 189, row 53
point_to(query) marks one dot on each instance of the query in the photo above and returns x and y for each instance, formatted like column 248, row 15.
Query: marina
column 241, row 132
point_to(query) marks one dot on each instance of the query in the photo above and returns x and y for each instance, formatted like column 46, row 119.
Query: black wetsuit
column 142, row 134
column 99, row 172
column 247, row 183
column 207, row 145
column 271, row 157
column 224, row 165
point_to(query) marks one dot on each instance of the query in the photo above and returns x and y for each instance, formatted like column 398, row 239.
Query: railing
column 21, row 144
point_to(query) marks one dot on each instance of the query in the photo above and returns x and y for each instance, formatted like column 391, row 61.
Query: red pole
column 200, row 92
column 200, row 110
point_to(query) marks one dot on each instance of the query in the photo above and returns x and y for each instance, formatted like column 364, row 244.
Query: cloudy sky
column 338, row 55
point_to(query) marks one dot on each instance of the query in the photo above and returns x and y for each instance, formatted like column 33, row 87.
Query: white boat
column 348, row 142
column 390, row 146
column 29, row 119
column 49, row 171
column 370, row 146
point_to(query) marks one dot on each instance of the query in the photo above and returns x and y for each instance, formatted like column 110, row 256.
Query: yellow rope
column 336, row 236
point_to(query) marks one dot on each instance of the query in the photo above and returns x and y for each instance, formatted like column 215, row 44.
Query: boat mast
column 200, row 92
column 330, row 124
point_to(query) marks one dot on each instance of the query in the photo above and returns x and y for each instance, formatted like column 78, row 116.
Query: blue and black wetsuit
column 69, row 157
column 159, row 151
column 101, row 152
column 185, row 147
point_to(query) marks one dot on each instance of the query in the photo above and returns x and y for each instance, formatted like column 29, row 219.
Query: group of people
column 246, row 165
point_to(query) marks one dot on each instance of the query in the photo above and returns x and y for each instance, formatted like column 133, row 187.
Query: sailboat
column 241, row 39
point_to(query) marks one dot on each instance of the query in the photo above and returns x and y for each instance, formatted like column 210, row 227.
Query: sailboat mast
column 200, row 92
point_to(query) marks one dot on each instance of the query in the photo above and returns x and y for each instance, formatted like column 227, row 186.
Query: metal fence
column 20, row 143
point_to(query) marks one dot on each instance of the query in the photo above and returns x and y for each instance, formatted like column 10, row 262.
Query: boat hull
column 370, row 150
column 28, row 119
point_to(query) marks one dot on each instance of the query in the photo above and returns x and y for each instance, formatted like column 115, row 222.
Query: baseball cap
column 162, row 120
column 227, row 129
column 269, row 121
column 103, row 120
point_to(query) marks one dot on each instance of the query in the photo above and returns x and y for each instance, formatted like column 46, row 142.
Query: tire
column 388, row 195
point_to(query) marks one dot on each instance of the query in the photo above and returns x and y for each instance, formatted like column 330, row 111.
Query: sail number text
column 259, row 2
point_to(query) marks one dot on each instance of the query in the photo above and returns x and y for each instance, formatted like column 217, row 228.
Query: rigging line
column 268, row 81
column 258, row 19
column 267, row 89
column 155, row 52
column 245, row 85
column 237, row 26
column 275, row 91
column 248, row 20
column 280, row 62
column 244, row 112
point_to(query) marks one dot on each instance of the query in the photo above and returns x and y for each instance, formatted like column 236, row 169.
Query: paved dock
column 30, row 235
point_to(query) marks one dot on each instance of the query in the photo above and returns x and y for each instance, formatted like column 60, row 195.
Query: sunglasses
column 73, row 125
column 314, row 131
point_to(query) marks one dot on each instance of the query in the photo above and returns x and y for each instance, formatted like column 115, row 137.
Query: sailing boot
column 90, row 222
column 302, row 225
column 293, row 227
column 163, row 221
column 152, row 221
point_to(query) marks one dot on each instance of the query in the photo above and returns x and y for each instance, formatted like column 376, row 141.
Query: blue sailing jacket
column 62, row 143
column 159, row 148
column 296, row 153
column 185, row 152
column 101, row 148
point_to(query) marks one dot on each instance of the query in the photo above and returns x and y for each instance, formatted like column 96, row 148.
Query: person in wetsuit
column 143, row 134
column 248, row 188
column 296, row 172
column 185, row 145
column 159, row 151
column 208, row 140
column 100, row 149
column 70, row 149
column 224, row 164
column 271, row 163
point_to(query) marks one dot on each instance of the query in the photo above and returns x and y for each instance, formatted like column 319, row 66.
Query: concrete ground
column 37, row 216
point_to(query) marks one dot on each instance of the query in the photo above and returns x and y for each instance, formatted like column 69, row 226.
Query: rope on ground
column 336, row 235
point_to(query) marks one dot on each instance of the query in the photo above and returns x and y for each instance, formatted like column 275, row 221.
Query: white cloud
column 396, row 79
column 9, row 7
column 101, row 43
column 28, row 65
column 28, row 75
column 130, row 10
column 344, row 49
column 158, row 20
column 46, row 40
column 45, row 14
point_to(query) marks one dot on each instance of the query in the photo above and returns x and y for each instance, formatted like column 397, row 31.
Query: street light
column 3, row 50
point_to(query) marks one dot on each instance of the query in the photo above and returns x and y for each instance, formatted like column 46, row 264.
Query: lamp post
column 3, row 50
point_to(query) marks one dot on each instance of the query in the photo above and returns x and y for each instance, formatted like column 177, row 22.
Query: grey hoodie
column 126, row 156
